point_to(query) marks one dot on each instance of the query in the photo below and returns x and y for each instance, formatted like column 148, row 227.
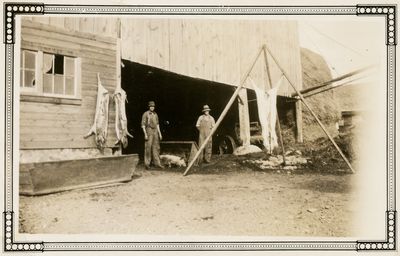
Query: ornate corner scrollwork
column 12, row 9
column 10, row 244
column 390, row 11
column 390, row 243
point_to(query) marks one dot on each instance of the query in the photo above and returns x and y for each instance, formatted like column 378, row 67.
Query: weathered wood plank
column 88, row 49
column 29, row 116
column 56, row 22
column 71, row 23
column 55, row 123
column 51, row 144
column 80, row 34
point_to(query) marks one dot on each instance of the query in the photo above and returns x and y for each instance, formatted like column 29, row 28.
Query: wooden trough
column 56, row 176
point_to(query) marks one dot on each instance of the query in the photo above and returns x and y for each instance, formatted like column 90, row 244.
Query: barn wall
column 218, row 50
column 59, row 126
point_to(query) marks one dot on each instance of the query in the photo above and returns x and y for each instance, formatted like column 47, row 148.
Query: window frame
column 38, row 90
column 24, row 88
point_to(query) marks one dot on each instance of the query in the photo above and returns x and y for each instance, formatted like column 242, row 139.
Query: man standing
column 204, row 124
column 152, row 136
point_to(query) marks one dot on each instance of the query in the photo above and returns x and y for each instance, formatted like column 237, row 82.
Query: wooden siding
column 219, row 50
column 47, row 125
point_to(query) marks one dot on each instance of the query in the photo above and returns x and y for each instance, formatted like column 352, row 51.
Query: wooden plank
column 86, row 24
column 37, row 46
column 56, row 22
column 134, row 43
column 100, row 26
column 56, row 45
column 54, row 133
column 87, row 64
column 47, row 107
column 53, row 100
column 66, row 143
column 52, row 144
column 84, row 47
column 60, row 134
column 176, row 47
column 92, row 81
column 79, row 34
column 158, row 40
column 71, row 23
column 31, row 117
column 55, row 123
column 43, row 20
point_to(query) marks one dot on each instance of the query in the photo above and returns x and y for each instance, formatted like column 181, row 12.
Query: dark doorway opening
column 179, row 100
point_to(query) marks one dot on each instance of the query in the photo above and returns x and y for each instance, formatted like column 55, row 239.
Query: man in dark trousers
column 204, row 124
column 152, row 136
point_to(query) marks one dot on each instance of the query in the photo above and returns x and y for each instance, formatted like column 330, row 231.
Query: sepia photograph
column 172, row 127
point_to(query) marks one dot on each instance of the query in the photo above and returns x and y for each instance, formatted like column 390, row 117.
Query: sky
column 346, row 44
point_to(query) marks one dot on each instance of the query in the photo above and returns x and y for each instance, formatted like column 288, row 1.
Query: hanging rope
column 333, row 68
column 334, row 40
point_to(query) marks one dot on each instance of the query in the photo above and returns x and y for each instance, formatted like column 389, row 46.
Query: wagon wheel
column 227, row 145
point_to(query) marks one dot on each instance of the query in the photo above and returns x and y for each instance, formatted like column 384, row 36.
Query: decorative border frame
column 389, row 12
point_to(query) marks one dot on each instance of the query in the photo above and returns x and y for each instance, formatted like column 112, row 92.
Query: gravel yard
column 224, row 198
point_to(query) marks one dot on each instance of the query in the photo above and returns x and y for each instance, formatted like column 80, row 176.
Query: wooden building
column 60, row 59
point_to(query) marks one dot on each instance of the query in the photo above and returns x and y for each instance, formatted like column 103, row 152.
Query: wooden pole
column 331, row 87
column 277, row 115
column 353, row 73
column 311, row 111
column 224, row 112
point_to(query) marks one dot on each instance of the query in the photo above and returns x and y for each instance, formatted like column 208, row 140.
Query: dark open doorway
column 179, row 100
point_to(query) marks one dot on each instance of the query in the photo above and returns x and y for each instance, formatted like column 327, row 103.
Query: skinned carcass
column 267, row 113
column 100, row 124
column 121, row 123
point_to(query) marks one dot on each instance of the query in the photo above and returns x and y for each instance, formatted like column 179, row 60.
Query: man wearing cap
column 152, row 136
column 204, row 124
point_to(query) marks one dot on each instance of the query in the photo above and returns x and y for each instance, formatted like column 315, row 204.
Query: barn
column 163, row 59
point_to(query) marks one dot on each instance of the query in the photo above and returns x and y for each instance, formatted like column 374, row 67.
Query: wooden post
column 244, row 119
column 118, row 64
column 221, row 117
column 277, row 115
column 299, row 121
column 311, row 111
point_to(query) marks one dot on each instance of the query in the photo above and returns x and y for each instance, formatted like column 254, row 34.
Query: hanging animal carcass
column 121, row 123
column 100, row 124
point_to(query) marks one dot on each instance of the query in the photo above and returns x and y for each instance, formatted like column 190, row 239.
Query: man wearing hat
column 204, row 124
column 152, row 136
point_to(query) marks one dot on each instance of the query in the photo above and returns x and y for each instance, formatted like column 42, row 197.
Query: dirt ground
column 223, row 198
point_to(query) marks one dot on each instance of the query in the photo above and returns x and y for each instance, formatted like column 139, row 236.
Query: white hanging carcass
column 100, row 125
column 267, row 112
column 121, row 123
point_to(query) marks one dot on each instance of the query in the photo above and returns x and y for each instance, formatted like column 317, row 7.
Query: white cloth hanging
column 100, row 124
column 267, row 113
